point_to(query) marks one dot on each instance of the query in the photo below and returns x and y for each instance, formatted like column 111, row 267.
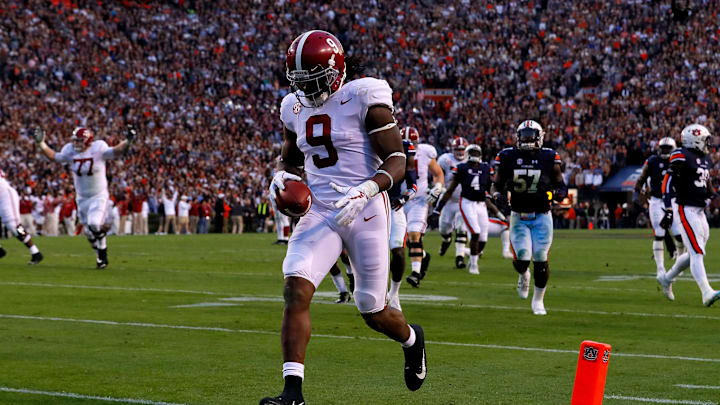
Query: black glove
column 667, row 220
column 130, row 133
column 38, row 135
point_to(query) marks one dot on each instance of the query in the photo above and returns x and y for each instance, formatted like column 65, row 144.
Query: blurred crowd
column 203, row 82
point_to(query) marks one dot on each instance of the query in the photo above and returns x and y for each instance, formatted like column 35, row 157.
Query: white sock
column 459, row 249
column 34, row 249
column 411, row 339
column 659, row 256
column 505, row 239
column 339, row 282
column 415, row 266
column 682, row 263
column 697, row 267
column 474, row 260
column 538, row 294
column 296, row 369
column 394, row 287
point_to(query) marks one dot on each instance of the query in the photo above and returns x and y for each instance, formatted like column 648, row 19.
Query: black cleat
column 460, row 262
column 102, row 259
column 444, row 247
column 2, row 252
column 424, row 265
column 35, row 259
column 279, row 400
column 415, row 362
column 344, row 298
column 414, row 279
column 351, row 282
column 280, row 242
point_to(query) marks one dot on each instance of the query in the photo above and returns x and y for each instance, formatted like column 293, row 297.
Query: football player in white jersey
column 344, row 137
column 87, row 159
column 10, row 216
column 416, row 210
column 450, row 217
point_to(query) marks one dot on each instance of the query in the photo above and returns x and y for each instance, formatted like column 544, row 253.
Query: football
column 295, row 200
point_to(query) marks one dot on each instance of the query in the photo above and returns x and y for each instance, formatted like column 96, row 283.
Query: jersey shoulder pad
column 289, row 107
column 370, row 92
column 678, row 155
column 551, row 154
column 428, row 149
column 409, row 148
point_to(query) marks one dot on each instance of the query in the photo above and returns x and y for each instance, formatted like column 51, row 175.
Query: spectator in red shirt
column 194, row 215
column 26, row 208
column 67, row 214
column 137, row 201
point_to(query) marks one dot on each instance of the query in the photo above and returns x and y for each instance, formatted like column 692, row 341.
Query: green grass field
column 134, row 331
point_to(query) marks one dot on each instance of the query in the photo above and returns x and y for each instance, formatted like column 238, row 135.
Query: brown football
column 295, row 200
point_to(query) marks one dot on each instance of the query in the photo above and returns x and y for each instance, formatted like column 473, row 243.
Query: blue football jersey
column 475, row 180
column 657, row 167
column 529, row 177
column 690, row 172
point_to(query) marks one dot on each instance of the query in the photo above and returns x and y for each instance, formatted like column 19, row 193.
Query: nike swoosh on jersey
column 367, row 219
column 345, row 101
column 421, row 375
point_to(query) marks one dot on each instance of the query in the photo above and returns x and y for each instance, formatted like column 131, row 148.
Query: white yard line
column 698, row 387
column 660, row 400
column 234, row 297
column 81, row 396
column 255, row 331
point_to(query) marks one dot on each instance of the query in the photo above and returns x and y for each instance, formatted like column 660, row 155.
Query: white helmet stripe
column 298, row 51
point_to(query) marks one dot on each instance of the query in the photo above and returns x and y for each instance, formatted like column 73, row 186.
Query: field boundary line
column 660, row 400
column 698, row 387
column 263, row 332
column 81, row 396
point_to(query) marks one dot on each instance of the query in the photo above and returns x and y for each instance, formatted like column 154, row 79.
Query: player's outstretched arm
column 124, row 146
column 387, row 143
column 39, row 136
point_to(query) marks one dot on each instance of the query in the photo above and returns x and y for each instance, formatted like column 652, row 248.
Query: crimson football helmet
column 82, row 138
column 315, row 64
column 459, row 144
column 529, row 135
column 410, row 134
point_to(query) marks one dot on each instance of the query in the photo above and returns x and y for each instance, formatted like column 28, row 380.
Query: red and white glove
column 354, row 201
column 278, row 182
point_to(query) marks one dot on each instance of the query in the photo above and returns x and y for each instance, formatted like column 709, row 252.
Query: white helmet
column 529, row 135
column 697, row 137
column 666, row 146
column 474, row 153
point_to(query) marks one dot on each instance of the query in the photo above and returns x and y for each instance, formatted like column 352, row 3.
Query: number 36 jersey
column 88, row 167
column 691, row 174
column 333, row 137
column 529, row 177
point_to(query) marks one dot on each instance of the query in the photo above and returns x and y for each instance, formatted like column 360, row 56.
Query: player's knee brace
column 97, row 231
column 659, row 238
column 521, row 266
column 416, row 249
column 460, row 237
column 21, row 234
column 541, row 273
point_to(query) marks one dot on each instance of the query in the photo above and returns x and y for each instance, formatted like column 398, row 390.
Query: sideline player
column 10, row 216
column 689, row 177
column 474, row 177
column 450, row 217
column 87, row 159
column 655, row 168
column 398, row 224
column 416, row 209
column 533, row 177
column 345, row 137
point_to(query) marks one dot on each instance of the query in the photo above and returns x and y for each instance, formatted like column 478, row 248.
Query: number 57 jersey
column 529, row 177
column 333, row 137
column 88, row 167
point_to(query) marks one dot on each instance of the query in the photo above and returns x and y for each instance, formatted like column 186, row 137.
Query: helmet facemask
column 529, row 139
column 665, row 151
column 474, row 154
column 459, row 153
column 82, row 137
column 314, row 86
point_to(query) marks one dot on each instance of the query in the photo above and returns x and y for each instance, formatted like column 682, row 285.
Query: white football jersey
column 333, row 137
column 425, row 153
column 88, row 167
column 448, row 163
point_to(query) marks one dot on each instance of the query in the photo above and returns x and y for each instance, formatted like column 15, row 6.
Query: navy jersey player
column 533, row 177
column 654, row 170
column 474, row 177
column 400, row 195
column 689, row 181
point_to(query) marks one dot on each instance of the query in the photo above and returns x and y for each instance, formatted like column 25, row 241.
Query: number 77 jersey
column 88, row 167
column 528, row 174
column 333, row 137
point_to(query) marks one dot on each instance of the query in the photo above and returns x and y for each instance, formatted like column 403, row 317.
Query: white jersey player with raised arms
column 450, row 218
column 86, row 158
column 344, row 137
column 10, row 216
